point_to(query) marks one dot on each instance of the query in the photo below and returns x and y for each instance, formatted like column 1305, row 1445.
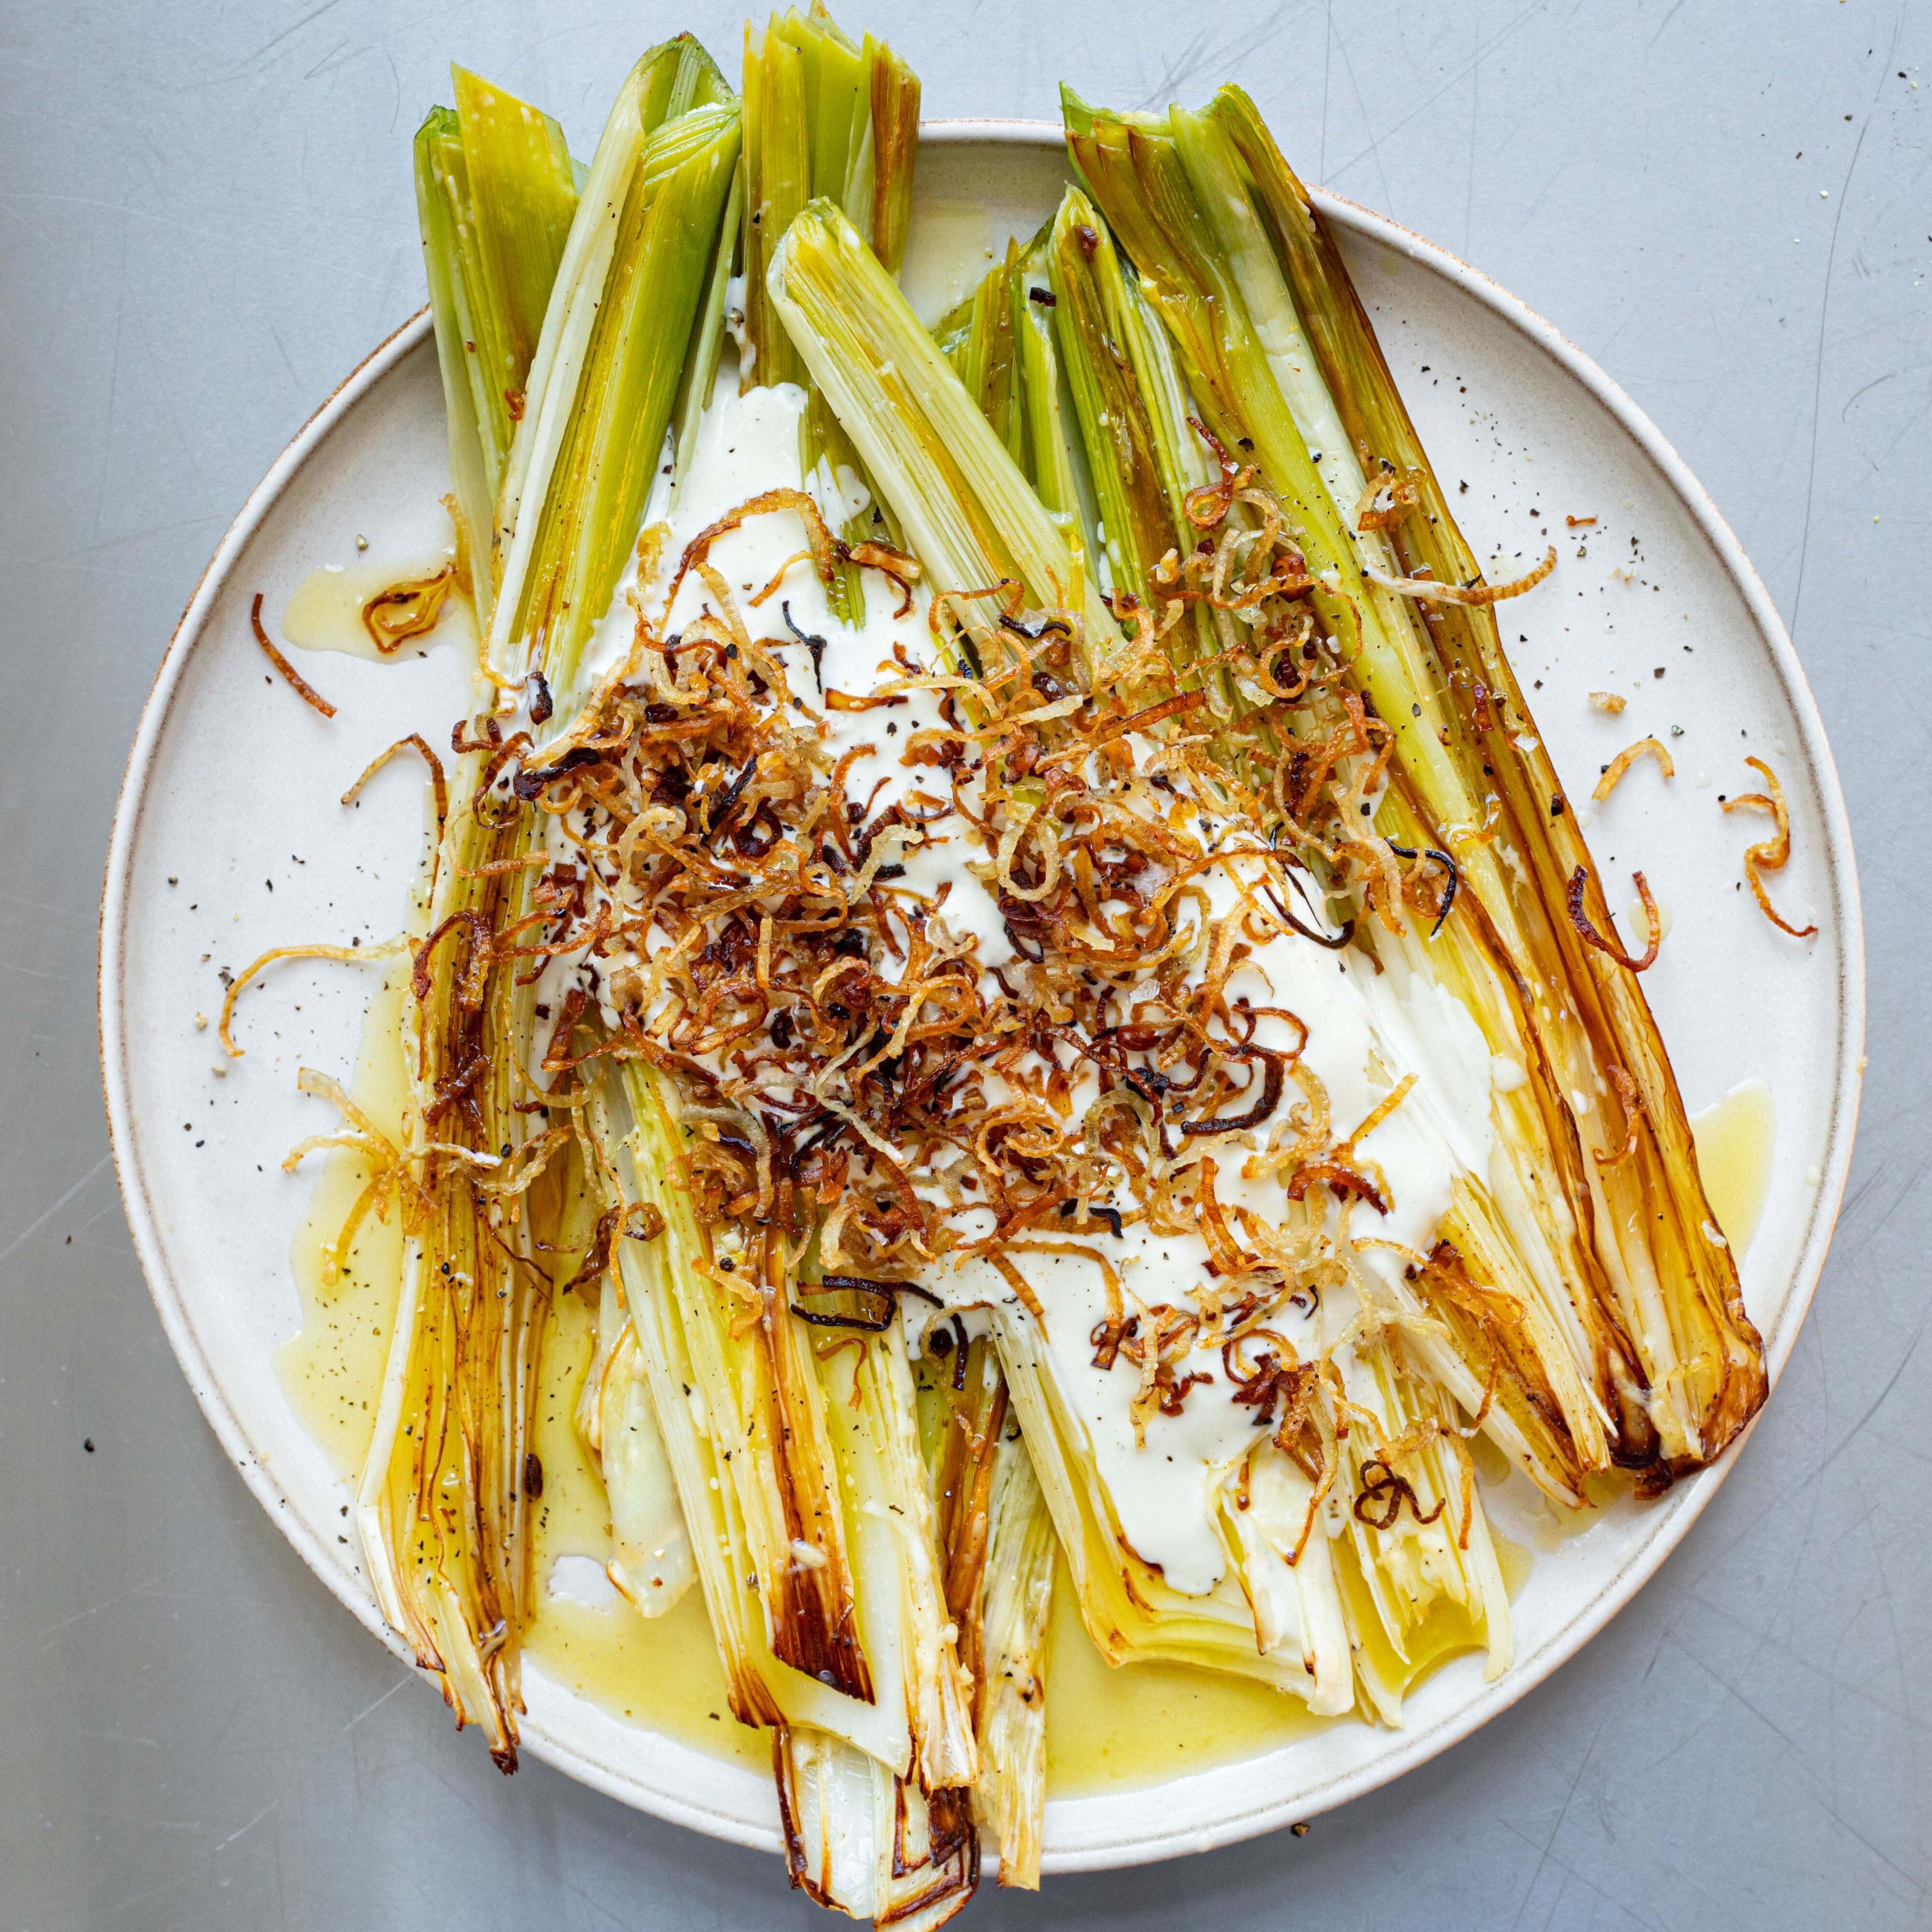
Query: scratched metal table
column 208, row 221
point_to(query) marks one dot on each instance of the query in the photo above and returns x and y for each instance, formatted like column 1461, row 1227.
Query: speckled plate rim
column 1407, row 1749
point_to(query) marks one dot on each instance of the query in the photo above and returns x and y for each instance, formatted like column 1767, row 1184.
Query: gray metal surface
column 206, row 220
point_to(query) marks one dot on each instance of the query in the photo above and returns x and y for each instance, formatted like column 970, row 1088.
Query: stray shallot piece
column 1580, row 523
column 1641, row 963
column 415, row 741
column 1768, row 855
column 1627, row 757
column 348, row 954
column 294, row 680
column 1632, row 1107
column 1478, row 594
column 1608, row 700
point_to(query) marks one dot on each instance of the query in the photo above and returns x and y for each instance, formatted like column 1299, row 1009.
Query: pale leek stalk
column 823, row 115
column 1103, row 333
column 1132, row 406
column 651, row 1560
column 1279, row 1612
column 669, row 232
column 1016, row 1618
column 700, row 374
column 1055, row 462
column 868, row 1844
column 1429, row 1589
column 442, row 1506
column 746, row 1410
column 669, row 80
column 965, row 507
column 777, row 184
column 972, row 520
column 977, row 339
column 614, row 356
column 1004, row 346
column 651, row 1563
column 996, row 1539
column 1267, row 1619
column 1170, row 207
column 795, row 1453
column 1646, row 1351
column 495, row 196
column 1677, row 1291
column 1415, row 1590
column 811, row 1522
column 1133, row 415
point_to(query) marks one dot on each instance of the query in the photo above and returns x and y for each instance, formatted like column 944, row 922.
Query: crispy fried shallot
column 1579, row 881
column 350, row 954
column 406, row 609
column 1769, row 855
column 291, row 676
column 1379, row 1500
column 1476, row 595
column 1627, row 757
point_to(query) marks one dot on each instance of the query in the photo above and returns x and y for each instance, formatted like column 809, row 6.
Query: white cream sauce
column 1365, row 1034
column 1365, row 1031
column 747, row 444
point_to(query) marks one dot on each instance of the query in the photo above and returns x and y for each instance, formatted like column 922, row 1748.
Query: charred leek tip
column 964, row 505
column 868, row 1844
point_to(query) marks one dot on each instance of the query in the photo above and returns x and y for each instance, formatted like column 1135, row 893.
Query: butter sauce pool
column 1107, row 1729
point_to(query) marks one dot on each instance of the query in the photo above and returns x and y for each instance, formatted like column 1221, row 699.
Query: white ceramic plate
column 233, row 785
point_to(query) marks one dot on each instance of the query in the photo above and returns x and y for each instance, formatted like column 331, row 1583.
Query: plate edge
column 1841, row 869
